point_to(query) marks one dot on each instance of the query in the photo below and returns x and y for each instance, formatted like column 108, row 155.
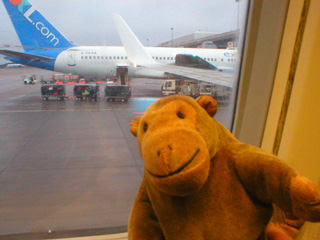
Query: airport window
column 81, row 156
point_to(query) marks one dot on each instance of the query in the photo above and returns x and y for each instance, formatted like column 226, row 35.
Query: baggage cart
column 121, row 92
column 53, row 91
column 86, row 92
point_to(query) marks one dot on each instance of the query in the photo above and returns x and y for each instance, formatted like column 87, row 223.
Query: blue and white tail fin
column 33, row 30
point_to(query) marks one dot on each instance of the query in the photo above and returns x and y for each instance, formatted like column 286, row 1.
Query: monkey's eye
column 180, row 115
column 145, row 127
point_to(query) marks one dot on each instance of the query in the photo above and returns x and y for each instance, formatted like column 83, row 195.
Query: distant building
column 205, row 40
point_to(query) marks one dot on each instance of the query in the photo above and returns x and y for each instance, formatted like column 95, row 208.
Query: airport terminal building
column 203, row 39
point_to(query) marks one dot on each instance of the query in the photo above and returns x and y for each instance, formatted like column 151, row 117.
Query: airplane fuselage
column 103, row 61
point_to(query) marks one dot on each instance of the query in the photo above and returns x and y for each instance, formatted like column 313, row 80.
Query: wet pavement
column 67, row 168
column 66, row 165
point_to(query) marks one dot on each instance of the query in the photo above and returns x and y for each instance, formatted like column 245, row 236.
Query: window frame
column 262, row 41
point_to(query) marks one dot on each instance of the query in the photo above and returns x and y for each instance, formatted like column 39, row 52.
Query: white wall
column 300, row 143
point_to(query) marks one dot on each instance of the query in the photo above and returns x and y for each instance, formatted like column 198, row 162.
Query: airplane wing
column 139, row 57
column 205, row 75
column 24, row 55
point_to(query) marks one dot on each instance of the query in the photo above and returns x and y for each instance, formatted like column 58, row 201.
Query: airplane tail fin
column 134, row 48
column 33, row 30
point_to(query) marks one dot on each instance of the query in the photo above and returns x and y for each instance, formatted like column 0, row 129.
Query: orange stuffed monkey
column 200, row 182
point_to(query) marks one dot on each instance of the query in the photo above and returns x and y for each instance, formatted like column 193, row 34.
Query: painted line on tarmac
column 74, row 110
column 66, row 110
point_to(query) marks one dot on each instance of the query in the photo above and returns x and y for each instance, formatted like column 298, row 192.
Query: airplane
column 46, row 48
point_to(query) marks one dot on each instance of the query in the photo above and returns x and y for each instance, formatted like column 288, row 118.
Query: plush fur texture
column 202, row 183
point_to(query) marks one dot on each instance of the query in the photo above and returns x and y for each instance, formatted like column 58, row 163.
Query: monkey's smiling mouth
column 178, row 170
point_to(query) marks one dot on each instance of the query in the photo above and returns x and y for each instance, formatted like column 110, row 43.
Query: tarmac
column 67, row 168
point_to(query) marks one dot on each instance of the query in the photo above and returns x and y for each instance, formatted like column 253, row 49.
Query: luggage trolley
column 86, row 92
column 122, row 92
column 53, row 90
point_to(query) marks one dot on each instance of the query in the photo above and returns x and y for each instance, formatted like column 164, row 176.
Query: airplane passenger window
column 69, row 164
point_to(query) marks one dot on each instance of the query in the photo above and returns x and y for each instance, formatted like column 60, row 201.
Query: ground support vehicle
column 29, row 79
column 53, row 91
column 181, row 87
column 120, row 92
column 195, row 89
column 220, row 93
column 86, row 92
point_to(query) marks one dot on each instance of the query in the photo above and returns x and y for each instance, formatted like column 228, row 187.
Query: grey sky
column 89, row 22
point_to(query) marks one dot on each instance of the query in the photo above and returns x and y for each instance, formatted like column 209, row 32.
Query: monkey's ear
column 135, row 125
column 209, row 104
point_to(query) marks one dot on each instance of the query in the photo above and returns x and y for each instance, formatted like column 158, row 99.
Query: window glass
column 68, row 160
